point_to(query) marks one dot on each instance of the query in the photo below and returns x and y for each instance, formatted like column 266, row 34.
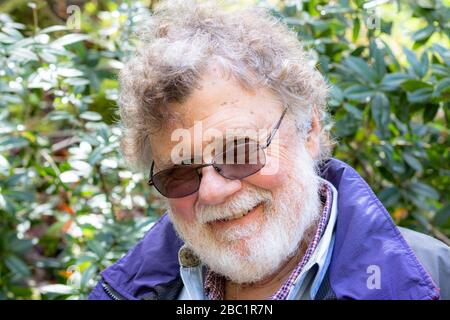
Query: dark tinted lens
column 240, row 161
column 177, row 182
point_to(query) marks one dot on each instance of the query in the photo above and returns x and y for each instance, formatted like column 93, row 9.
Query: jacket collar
column 367, row 244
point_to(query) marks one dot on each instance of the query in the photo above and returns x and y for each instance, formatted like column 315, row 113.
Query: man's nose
column 215, row 189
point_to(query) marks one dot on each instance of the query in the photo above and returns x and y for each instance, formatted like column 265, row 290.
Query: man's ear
column 313, row 135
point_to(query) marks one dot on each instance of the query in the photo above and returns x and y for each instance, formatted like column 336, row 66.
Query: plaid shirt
column 214, row 284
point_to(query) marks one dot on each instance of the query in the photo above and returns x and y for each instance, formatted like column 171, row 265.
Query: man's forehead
column 218, row 96
column 223, row 117
column 226, row 117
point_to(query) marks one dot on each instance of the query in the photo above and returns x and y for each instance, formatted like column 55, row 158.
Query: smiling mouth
column 238, row 215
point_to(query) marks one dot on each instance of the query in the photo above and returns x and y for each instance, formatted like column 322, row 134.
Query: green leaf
column 378, row 57
column 389, row 196
column 69, row 72
column 413, row 85
column 24, row 43
column 429, row 112
column 336, row 96
column 353, row 110
column 442, row 86
column 47, row 56
column 4, row 164
column 91, row 116
column 380, row 110
column 360, row 69
column 70, row 176
column 4, row 38
column 88, row 274
column 356, row 29
column 17, row 266
column 416, row 66
column 25, row 54
column 392, row 81
column 424, row 190
column 96, row 247
column 69, row 39
column 423, row 34
column 428, row 4
column 424, row 63
column 9, row 143
column 96, row 155
column 77, row 81
column 442, row 217
column 12, row 32
column 395, row 65
column 358, row 93
column 20, row 246
column 396, row 166
column 412, row 162
column 60, row 115
column 420, row 95
column 19, row 195
column 443, row 52
column 54, row 29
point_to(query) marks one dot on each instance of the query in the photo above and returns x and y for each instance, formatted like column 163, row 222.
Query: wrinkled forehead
column 220, row 106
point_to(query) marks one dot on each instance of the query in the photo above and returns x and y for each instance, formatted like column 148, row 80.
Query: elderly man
column 228, row 114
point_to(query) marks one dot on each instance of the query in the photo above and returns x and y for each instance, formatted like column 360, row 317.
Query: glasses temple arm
column 274, row 130
column 150, row 179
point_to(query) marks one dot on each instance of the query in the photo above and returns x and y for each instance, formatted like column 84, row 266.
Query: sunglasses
column 235, row 162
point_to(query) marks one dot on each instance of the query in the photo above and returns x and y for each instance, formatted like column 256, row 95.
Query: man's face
column 243, row 229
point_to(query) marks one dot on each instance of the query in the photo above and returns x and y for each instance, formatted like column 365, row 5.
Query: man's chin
column 240, row 247
column 240, row 265
column 228, row 241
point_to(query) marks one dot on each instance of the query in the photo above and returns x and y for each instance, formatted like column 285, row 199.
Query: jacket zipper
column 113, row 294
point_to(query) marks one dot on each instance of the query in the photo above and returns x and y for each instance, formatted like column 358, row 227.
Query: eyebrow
column 167, row 163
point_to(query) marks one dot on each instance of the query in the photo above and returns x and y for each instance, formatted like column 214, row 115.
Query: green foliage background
column 70, row 207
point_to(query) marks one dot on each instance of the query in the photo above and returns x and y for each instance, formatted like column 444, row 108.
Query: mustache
column 237, row 206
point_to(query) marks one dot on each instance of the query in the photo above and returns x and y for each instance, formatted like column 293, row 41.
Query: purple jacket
column 365, row 236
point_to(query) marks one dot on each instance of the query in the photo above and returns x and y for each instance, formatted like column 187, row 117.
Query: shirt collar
column 309, row 280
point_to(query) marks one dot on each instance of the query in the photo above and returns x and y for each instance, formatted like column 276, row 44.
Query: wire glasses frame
column 184, row 179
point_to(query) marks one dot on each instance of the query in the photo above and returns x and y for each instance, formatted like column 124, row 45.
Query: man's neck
column 266, row 287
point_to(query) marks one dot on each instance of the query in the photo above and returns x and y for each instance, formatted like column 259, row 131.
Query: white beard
column 251, row 253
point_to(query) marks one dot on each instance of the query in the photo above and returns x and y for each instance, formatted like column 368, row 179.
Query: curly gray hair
column 182, row 38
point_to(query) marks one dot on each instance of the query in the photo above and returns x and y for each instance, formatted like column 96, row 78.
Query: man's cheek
column 272, row 175
column 184, row 207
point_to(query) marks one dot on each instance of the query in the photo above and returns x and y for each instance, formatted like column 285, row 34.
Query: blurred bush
column 70, row 207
